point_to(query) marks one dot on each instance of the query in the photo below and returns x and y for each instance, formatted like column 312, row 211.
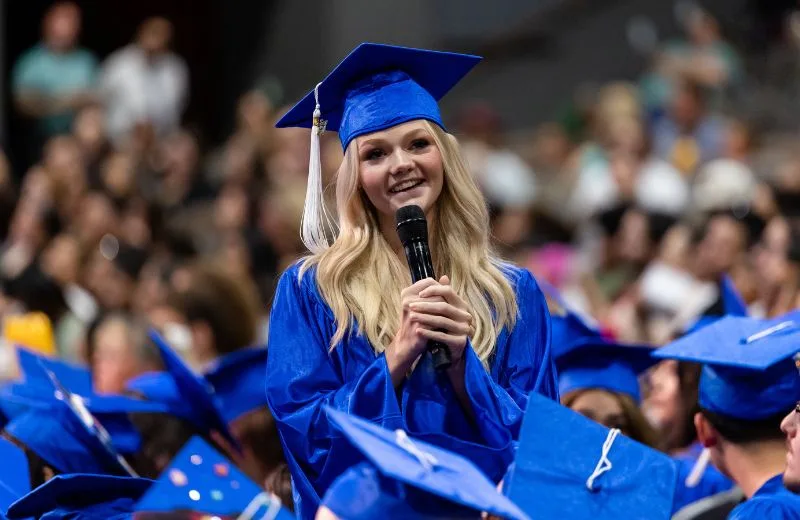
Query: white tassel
column 698, row 469
column 317, row 224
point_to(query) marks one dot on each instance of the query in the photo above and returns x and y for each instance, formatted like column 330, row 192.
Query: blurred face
column 61, row 259
column 155, row 35
column 97, row 217
column 118, row 175
column 723, row 242
column 114, row 360
column 662, row 403
column 771, row 261
column 89, row 127
column 61, row 27
column 602, row 407
column 400, row 166
column 113, row 289
column 231, row 208
column 791, row 476
column 686, row 108
column 633, row 241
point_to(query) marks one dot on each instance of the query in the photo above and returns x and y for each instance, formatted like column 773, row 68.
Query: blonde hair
column 361, row 277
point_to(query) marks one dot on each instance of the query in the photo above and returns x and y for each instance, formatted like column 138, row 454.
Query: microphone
column 412, row 228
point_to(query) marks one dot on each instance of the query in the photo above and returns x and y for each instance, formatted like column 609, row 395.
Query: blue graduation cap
column 68, row 436
column 36, row 392
column 200, row 479
column 379, row 86
column 585, row 358
column 14, row 476
column 748, row 371
column 568, row 466
column 78, row 379
column 192, row 392
column 81, row 496
column 238, row 380
column 409, row 475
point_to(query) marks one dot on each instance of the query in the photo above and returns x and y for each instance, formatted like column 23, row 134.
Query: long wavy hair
column 361, row 277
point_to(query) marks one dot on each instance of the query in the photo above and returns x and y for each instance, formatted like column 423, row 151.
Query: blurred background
column 632, row 152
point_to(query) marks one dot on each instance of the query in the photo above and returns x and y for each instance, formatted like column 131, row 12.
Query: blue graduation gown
column 772, row 501
column 303, row 374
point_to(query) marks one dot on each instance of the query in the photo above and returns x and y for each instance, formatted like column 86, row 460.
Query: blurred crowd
column 633, row 202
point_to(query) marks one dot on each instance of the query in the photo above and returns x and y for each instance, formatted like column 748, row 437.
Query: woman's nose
column 400, row 162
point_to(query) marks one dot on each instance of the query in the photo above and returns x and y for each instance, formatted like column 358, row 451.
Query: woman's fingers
column 434, row 322
column 441, row 309
column 454, row 341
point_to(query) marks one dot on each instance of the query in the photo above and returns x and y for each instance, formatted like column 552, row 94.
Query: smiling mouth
column 406, row 185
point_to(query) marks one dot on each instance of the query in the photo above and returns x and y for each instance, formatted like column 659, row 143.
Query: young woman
column 349, row 330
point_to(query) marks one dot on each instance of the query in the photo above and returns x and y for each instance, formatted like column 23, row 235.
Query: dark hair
column 279, row 483
column 224, row 303
column 163, row 436
column 258, row 431
column 740, row 431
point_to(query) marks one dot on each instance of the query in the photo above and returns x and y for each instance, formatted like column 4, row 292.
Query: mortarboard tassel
column 698, row 469
column 317, row 222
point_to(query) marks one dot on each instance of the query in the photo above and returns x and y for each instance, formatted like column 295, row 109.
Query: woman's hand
column 444, row 317
column 430, row 311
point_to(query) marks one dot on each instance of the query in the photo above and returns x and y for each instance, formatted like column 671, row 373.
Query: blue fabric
column 748, row 368
column 238, row 381
column 303, row 375
column 771, row 502
column 78, row 379
column 218, row 486
column 451, row 477
column 379, row 86
column 14, row 475
column 81, row 497
column 362, row 493
column 559, row 451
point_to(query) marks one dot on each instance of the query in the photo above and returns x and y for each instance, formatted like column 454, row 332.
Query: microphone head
column 411, row 224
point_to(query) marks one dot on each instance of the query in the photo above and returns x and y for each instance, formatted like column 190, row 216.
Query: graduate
column 748, row 383
column 791, row 427
column 349, row 330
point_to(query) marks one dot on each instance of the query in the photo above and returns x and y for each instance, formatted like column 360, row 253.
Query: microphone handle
column 420, row 263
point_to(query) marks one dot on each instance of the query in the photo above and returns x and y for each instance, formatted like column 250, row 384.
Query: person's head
column 771, row 256
column 612, row 410
column 721, row 246
column 220, row 310
column 670, row 402
column 719, row 433
column 61, row 259
column 790, row 426
column 118, row 176
column 179, row 154
column 688, row 105
column 113, row 272
column 61, row 26
column 89, row 128
column 702, row 28
column 262, row 453
column 96, row 218
column 120, row 351
column 154, row 35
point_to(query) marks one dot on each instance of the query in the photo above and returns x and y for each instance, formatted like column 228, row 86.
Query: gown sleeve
column 521, row 364
column 778, row 507
column 302, row 378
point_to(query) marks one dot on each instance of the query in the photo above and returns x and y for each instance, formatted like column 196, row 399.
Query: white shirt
column 139, row 90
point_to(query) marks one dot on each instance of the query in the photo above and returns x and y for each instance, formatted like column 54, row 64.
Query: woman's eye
column 418, row 144
column 375, row 153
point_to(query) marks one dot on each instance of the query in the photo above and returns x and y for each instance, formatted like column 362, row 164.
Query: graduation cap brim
column 435, row 71
column 195, row 391
column 738, row 342
column 78, row 489
column 444, row 480
column 238, row 381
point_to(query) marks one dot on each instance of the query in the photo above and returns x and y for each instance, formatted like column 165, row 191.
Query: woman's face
column 602, row 407
column 400, row 166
